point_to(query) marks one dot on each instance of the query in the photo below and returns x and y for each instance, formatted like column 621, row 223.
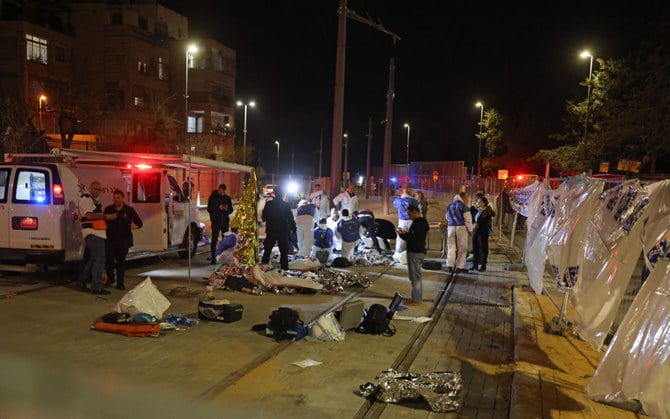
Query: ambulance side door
column 152, row 206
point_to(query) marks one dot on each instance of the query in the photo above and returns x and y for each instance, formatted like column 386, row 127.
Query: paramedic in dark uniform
column 93, row 228
column 278, row 222
column 219, row 207
column 119, row 238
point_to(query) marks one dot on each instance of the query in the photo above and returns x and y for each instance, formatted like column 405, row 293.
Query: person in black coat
column 278, row 223
column 219, row 207
column 119, row 239
column 480, row 234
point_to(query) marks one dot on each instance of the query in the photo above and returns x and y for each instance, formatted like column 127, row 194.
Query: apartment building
column 117, row 73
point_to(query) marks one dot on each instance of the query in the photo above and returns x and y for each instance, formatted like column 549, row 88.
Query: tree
column 629, row 115
column 19, row 135
column 491, row 136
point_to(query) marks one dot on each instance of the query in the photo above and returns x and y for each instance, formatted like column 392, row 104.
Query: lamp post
column 191, row 49
column 407, row 146
column 244, row 141
column 277, row 166
column 42, row 99
column 479, row 147
column 586, row 54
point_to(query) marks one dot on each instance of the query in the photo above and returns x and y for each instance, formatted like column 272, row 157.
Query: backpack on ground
column 285, row 324
column 377, row 321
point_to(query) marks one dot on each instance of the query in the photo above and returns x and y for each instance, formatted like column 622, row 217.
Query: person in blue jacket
column 323, row 241
column 349, row 229
column 402, row 203
column 459, row 228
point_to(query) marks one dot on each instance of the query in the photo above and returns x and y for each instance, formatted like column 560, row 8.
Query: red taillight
column 59, row 197
column 28, row 223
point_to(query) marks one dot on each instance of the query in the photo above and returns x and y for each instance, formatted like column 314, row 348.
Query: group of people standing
column 463, row 222
column 108, row 237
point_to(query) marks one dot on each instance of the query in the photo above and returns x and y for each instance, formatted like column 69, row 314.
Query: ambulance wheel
column 191, row 244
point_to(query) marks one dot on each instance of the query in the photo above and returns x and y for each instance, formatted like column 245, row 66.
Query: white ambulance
column 39, row 195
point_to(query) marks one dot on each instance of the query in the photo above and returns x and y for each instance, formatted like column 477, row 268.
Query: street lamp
column 586, row 54
column 479, row 147
column 42, row 99
column 407, row 147
column 277, row 167
column 244, row 143
column 191, row 49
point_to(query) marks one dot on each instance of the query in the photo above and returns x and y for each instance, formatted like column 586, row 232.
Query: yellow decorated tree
column 246, row 223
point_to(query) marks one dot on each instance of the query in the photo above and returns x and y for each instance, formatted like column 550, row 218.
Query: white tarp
column 540, row 223
column 573, row 212
column 519, row 199
column 636, row 365
column 612, row 247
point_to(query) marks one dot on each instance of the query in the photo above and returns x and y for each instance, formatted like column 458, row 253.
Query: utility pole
column 388, row 135
column 338, row 108
column 367, row 166
column 338, row 105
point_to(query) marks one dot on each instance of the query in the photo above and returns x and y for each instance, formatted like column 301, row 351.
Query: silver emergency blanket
column 441, row 390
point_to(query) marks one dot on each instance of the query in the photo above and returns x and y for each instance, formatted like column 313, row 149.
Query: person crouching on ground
column 416, row 251
column 349, row 229
column 459, row 227
column 323, row 242
column 304, row 221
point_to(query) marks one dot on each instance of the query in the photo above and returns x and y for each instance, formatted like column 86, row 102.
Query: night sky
column 522, row 60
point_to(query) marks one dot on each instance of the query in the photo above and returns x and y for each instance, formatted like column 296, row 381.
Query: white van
column 39, row 220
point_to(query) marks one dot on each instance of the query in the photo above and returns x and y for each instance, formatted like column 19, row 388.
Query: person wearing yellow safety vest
column 93, row 228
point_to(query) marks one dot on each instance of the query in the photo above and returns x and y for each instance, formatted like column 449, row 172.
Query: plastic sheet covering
column 656, row 235
column 520, row 198
column 612, row 247
column 637, row 363
column 573, row 212
column 441, row 390
column 540, row 224
column 144, row 298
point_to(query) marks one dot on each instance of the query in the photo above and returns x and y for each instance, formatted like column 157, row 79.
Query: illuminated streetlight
column 42, row 99
column 191, row 49
column 407, row 147
column 479, row 147
column 277, row 168
column 586, row 54
column 244, row 143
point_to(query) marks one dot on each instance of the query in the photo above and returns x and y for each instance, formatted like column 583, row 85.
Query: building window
column 217, row 60
column 161, row 31
column 138, row 102
column 143, row 22
column 161, row 71
column 142, row 67
column 36, row 49
column 60, row 54
column 117, row 18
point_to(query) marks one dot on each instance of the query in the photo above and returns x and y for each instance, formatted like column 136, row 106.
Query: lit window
column 142, row 67
column 161, row 74
column 36, row 49
column 138, row 102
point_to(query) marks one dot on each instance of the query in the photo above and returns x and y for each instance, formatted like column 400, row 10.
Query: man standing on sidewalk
column 119, row 239
column 459, row 227
column 416, row 251
column 219, row 207
column 402, row 203
column 93, row 228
